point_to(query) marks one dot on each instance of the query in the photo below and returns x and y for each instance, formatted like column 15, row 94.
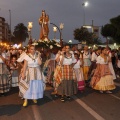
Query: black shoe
column 56, row 95
column 69, row 98
column 62, row 99
column 2, row 94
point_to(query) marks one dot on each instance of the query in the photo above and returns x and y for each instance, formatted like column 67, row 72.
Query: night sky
column 69, row 12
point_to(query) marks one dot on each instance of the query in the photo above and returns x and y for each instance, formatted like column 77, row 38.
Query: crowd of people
column 67, row 70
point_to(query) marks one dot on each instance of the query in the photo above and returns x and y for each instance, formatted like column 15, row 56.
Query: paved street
column 90, row 105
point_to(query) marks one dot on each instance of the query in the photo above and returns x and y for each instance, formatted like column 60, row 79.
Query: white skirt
column 35, row 90
column 112, row 70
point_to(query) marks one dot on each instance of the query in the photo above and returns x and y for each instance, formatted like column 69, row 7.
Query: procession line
column 87, row 108
column 36, row 113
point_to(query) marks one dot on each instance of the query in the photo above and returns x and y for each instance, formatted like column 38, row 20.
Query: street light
column 70, row 42
column 115, row 45
column 85, row 4
column 30, row 26
column 61, row 28
column 60, row 31
column 54, row 30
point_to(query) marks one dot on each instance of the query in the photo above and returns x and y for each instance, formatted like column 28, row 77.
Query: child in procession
column 79, row 73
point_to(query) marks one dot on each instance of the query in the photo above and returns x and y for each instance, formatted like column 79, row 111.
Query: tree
column 82, row 34
column 108, row 30
column 97, row 41
column 116, row 23
column 112, row 30
column 20, row 33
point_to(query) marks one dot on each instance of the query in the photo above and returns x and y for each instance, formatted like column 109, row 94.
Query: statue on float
column 44, row 28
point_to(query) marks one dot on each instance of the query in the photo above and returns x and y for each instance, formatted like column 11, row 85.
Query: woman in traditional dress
column 14, row 71
column 79, row 73
column 58, row 71
column 102, row 79
column 5, row 76
column 86, row 59
column 32, row 85
column 68, row 83
column 51, row 67
column 110, row 63
column 94, row 56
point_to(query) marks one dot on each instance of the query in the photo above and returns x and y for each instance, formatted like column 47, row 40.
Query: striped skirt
column 33, row 86
column 68, row 84
column 5, row 78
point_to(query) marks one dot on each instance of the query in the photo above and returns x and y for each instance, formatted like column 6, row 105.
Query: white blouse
column 100, row 60
column 31, row 62
column 21, row 58
column 4, row 56
column 77, row 65
column 68, row 61
column 94, row 57
column 85, row 55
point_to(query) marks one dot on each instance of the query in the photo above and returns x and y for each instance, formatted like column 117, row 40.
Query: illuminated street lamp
column 70, row 41
column 61, row 28
column 85, row 4
column 115, row 45
column 54, row 30
column 30, row 26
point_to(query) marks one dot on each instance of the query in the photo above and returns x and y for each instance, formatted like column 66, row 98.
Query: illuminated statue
column 43, row 21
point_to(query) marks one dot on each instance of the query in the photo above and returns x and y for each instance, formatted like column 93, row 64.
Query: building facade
column 4, row 30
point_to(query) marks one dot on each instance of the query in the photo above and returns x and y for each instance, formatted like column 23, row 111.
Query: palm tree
column 20, row 33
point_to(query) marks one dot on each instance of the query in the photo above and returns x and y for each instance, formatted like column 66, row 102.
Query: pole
column 10, row 24
column 84, row 15
column 61, row 42
column 92, row 26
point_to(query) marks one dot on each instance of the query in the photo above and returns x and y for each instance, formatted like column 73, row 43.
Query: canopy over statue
column 44, row 29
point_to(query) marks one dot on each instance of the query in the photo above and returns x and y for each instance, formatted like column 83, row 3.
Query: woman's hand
column 23, row 77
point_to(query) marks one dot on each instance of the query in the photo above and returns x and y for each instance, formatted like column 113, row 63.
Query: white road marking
column 36, row 113
column 117, row 84
column 88, row 109
column 114, row 96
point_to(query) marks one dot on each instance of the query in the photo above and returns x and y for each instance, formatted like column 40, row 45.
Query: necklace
column 87, row 53
column 33, row 57
column 68, row 57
